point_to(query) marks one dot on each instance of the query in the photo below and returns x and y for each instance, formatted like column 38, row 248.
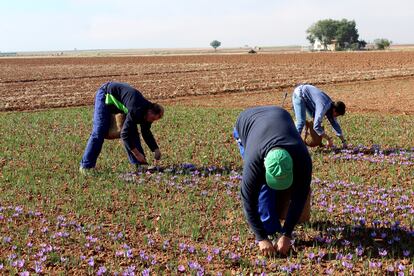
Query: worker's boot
column 87, row 171
column 139, row 168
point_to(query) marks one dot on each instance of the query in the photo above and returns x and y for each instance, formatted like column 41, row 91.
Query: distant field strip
column 27, row 84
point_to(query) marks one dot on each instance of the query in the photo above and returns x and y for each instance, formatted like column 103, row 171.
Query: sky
column 42, row 25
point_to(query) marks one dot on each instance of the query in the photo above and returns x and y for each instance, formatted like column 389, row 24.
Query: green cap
column 279, row 169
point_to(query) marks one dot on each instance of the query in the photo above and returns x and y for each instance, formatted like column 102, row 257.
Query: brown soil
column 366, row 81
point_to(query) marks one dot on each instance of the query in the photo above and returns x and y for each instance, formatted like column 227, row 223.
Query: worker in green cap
column 275, row 159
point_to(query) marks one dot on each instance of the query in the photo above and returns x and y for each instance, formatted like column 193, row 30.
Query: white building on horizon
column 318, row 46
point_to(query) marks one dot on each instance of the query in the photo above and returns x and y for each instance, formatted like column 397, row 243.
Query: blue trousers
column 101, row 124
column 101, row 121
column 300, row 109
column 267, row 200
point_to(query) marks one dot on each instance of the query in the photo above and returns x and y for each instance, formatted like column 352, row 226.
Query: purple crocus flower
column 129, row 254
column 101, row 271
column 143, row 256
column 349, row 256
column 382, row 252
column 12, row 257
column 191, row 249
column 24, row 273
column 7, row 239
column 359, row 251
column 216, row 251
column 234, row 257
column 166, row 244
column 209, row 258
column 285, row 269
column 401, row 267
column 182, row 246
column 406, row 253
column 38, row 267
column 20, row 263
column 347, row 265
column 181, row 268
column 339, row 256
column 146, row 272
column 154, row 260
column 193, row 265
column 372, row 264
column 390, row 268
column 130, row 271
column 91, row 262
column 235, row 238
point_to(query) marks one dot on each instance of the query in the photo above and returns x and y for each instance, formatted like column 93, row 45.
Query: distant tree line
column 342, row 33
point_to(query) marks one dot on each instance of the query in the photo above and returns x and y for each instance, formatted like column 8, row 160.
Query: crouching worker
column 113, row 98
column 307, row 98
column 275, row 159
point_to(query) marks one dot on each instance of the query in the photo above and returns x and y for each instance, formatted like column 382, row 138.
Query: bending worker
column 112, row 98
column 307, row 98
column 275, row 159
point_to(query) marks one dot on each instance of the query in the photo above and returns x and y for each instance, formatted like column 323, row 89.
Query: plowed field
column 370, row 81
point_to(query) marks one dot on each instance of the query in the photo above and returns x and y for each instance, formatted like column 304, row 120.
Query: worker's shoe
column 87, row 171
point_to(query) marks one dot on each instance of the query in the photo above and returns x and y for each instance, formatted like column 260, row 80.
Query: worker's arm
column 150, row 140
column 250, row 189
column 320, row 111
column 302, row 179
column 129, row 135
column 337, row 128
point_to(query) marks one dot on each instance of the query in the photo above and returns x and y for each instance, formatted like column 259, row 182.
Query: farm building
column 318, row 46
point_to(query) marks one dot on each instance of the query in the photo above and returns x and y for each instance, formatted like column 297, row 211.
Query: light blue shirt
column 318, row 104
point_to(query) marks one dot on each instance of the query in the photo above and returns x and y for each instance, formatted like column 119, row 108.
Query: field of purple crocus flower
column 185, row 216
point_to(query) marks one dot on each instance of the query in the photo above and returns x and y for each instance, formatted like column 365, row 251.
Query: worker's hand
column 157, row 154
column 139, row 156
column 283, row 245
column 266, row 247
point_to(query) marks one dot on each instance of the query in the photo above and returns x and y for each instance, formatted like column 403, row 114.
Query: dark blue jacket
column 121, row 97
column 260, row 130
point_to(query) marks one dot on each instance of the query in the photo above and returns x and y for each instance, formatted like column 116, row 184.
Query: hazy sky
column 32, row 25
